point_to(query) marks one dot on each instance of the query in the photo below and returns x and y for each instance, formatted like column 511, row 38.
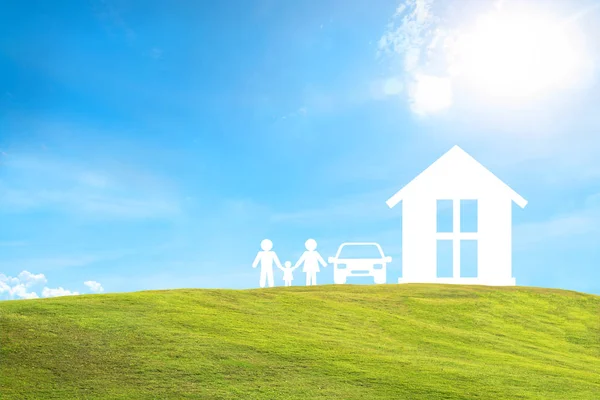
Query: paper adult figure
column 266, row 258
column 311, row 259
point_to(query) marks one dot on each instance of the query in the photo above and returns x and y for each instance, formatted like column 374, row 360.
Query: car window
column 360, row 251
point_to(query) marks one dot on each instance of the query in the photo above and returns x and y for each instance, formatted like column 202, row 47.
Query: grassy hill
column 343, row 342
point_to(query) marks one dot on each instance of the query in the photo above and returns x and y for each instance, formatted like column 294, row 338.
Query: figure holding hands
column 311, row 259
column 266, row 258
column 288, row 273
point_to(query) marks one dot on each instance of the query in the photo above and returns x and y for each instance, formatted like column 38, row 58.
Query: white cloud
column 412, row 36
column 48, row 292
column 20, row 291
column 25, row 278
column 22, row 287
column 416, row 28
column 29, row 279
column 8, row 280
column 94, row 286
column 18, row 287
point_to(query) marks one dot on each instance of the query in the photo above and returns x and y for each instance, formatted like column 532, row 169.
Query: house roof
column 459, row 161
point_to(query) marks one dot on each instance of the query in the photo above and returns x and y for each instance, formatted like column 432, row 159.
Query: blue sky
column 149, row 145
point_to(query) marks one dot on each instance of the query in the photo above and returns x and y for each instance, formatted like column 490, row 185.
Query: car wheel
column 339, row 278
column 379, row 278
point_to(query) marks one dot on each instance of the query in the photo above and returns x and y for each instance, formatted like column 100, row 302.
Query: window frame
column 456, row 236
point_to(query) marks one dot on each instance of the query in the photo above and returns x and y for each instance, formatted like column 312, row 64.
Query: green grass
column 342, row 342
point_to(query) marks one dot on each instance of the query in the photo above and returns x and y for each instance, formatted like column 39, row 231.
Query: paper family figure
column 288, row 273
column 266, row 258
column 311, row 259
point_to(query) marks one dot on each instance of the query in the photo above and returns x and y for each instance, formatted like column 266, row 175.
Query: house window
column 457, row 236
column 468, row 215
column 444, row 259
column 468, row 258
column 444, row 216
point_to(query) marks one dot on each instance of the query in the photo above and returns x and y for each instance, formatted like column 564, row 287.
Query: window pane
column 444, row 258
column 468, row 258
column 351, row 250
column 444, row 216
column 468, row 215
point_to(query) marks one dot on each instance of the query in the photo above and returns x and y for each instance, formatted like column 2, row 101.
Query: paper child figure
column 266, row 257
column 288, row 273
column 311, row 259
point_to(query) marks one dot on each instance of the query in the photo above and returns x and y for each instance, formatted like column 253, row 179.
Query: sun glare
column 516, row 55
column 431, row 94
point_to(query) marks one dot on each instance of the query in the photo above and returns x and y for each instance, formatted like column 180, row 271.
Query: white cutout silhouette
column 266, row 258
column 288, row 273
column 457, row 176
column 311, row 259
column 345, row 265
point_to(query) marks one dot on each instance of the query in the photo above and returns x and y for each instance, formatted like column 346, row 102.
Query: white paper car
column 359, row 259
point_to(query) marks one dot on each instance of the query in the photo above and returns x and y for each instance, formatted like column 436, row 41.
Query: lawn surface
column 340, row 342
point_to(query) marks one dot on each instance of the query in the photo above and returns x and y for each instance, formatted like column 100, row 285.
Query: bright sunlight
column 518, row 54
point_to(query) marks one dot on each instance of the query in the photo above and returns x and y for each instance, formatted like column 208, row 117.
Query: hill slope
column 345, row 342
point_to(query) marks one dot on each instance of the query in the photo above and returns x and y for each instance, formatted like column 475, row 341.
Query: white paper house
column 457, row 179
